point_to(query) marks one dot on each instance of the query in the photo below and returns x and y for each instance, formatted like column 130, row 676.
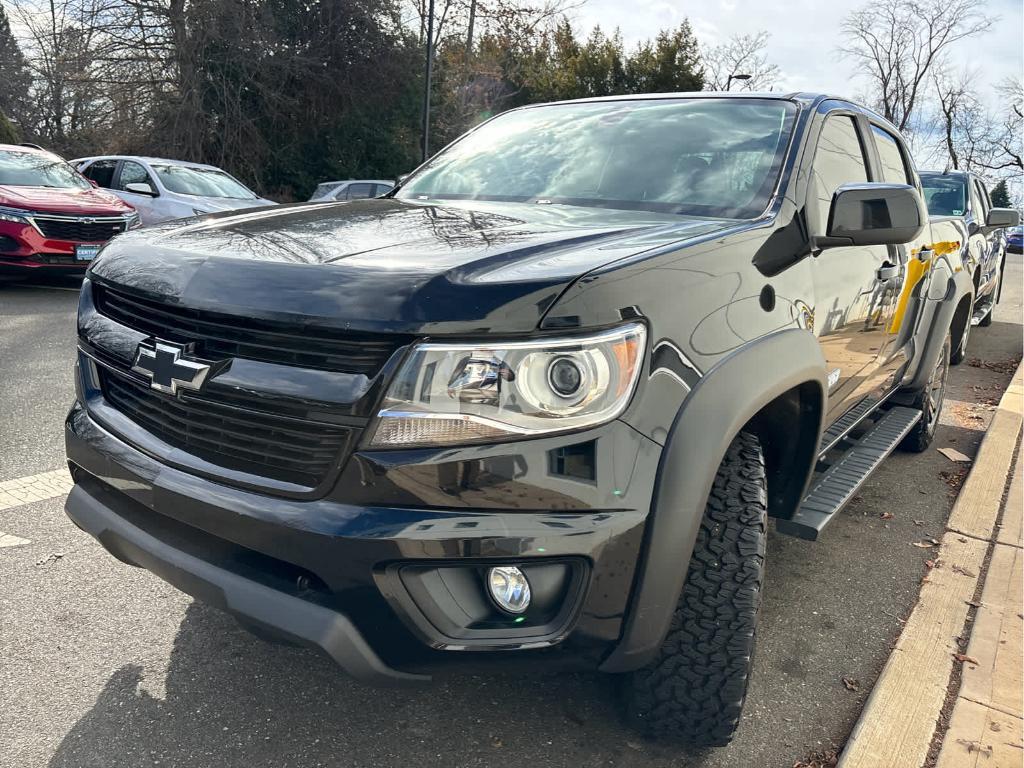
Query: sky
column 804, row 36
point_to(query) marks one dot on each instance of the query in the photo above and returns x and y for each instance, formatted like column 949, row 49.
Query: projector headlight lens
column 509, row 588
column 448, row 394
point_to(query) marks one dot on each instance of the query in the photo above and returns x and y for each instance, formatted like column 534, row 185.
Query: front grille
column 80, row 230
column 218, row 336
column 262, row 444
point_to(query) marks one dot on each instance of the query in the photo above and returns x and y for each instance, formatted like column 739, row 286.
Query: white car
column 162, row 190
column 353, row 189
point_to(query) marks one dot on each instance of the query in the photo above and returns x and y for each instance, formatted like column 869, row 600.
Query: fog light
column 509, row 588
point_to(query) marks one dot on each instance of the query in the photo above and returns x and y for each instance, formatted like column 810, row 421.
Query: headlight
column 13, row 214
column 448, row 394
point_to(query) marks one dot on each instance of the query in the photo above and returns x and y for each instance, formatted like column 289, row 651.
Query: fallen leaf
column 975, row 746
column 961, row 570
column 954, row 455
column 886, row 515
column 964, row 658
column 851, row 684
column 923, row 544
column 919, row 522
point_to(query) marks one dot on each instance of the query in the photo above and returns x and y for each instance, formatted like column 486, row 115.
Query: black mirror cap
column 998, row 218
column 874, row 213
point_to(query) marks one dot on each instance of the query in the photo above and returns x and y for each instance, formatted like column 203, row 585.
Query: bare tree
column 898, row 42
column 967, row 127
column 740, row 55
column 1007, row 147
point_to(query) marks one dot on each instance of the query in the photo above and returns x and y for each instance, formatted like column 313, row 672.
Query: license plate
column 86, row 252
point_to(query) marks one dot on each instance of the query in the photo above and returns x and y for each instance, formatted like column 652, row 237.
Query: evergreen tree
column 1001, row 196
column 7, row 133
column 14, row 75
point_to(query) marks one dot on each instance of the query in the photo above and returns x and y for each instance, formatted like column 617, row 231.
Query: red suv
column 52, row 219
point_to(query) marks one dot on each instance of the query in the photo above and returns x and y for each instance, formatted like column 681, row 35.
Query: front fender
column 936, row 321
column 722, row 402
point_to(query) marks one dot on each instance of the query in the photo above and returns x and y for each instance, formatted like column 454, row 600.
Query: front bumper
column 25, row 250
column 318, row 571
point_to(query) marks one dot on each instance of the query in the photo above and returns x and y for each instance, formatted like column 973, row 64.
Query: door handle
column 888, row 272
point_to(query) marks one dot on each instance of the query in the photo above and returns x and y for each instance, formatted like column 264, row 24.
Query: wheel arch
column 755, row 386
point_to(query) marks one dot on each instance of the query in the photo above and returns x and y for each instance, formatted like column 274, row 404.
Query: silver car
column 162, row 190
column 353, row 189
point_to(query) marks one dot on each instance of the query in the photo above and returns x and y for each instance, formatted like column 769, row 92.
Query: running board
column 981, row 312
column 836, row 486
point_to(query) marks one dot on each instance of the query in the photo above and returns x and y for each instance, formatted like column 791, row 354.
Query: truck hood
column 387, row 265
column 63, row 200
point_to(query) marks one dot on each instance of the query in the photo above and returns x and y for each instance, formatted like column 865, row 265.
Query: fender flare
column 721, row 403
column 959, row 285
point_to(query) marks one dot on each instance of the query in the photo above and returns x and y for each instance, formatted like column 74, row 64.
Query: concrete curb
column 898, row 723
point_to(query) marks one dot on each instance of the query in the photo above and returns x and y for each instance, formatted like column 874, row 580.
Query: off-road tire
column 693, row 692
column 958, row 355
column 929, row 401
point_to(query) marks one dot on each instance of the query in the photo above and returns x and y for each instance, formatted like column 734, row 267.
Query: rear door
column 855, row 287
column 892, row 164
column 992, row 240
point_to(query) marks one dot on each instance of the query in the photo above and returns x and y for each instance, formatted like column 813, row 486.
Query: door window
column 986, row 202
column 383, row 189
column 838, row 160
column 357, row 191
column 976, row 207
column 134, row 173
column 894, row 166
column 102, row 172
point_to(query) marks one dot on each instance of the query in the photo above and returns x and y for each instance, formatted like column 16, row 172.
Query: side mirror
column 874, row 214
column 998, row 218
column 140, row 188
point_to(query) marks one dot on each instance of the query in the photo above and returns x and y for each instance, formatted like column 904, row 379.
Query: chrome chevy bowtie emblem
column 167, row 368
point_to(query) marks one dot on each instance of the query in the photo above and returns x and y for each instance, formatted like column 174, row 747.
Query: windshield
column 944, row 195
column 32, row 169
column 703, row 157
column 201, row 182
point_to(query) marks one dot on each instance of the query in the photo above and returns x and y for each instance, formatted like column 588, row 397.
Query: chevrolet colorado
column 538, row 403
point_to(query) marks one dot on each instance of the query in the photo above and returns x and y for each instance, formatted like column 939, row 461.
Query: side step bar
column 981, row 312
column 831, row 491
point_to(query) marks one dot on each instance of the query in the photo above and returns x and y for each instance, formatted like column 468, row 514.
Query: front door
column 856, row 288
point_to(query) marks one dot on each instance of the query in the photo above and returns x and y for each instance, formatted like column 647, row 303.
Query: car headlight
column 14, row 215
column 447, row 394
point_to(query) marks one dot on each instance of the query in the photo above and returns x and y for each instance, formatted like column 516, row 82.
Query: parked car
column 52, row 220
column 164, row 190
column 1015, row 240
column 539, row 404
column 353, row 189
column 963, row 198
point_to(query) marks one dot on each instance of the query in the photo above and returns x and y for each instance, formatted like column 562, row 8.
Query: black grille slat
column 79, row 231
column 284, row 449
column 219, row 336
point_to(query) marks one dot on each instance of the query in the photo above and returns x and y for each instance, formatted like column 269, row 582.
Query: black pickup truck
column 538, row 403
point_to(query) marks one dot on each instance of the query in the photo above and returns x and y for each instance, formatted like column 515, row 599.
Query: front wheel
column 929, row 401
column 693, row 692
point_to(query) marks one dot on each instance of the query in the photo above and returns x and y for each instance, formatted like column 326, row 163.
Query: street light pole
column 426, row 81
column 729, row 80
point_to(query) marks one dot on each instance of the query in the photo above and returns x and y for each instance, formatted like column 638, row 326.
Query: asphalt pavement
column 104, row 665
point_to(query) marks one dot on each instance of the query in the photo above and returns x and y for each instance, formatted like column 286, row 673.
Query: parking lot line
column 10, row 540
column 25, row 490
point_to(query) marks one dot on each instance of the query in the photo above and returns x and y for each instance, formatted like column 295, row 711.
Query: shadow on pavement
column 232, row 700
